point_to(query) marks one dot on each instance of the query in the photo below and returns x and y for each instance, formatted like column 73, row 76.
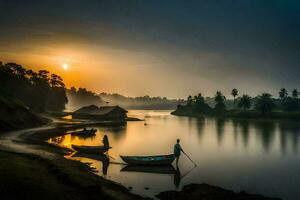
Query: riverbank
column 238, row 114
column 28, row 157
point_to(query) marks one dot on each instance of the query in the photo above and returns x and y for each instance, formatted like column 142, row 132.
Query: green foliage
column 290, row 104
column 219, row 99
column 189, row 100
column 234, row 93
column 264, row 103
column 39, row 91
column 295, row 94
column 245, row 102
column 283, row 93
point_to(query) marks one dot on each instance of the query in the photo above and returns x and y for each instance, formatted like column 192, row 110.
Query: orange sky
column 156, row 48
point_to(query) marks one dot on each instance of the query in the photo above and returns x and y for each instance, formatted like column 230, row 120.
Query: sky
column 157, row 48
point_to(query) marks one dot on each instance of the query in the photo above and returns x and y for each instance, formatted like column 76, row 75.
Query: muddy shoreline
column 78, row 177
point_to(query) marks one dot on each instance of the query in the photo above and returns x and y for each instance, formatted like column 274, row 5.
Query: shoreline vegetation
column 263, row 106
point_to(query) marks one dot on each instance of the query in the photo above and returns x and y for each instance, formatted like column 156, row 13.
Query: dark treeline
column 243, row 105
column 39, row 91
column 82, row 97
column 143, row 102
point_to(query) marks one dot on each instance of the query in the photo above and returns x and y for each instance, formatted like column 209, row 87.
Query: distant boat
column 90, row 149
column 85, row 133
column 149, row 160
column 156, row 169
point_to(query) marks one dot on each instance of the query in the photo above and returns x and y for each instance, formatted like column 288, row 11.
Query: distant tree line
column 264, row 103
column 39, row 91
column 82, row 97
column 142, row 102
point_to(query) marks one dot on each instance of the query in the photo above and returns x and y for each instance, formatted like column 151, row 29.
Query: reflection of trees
column 235, row 131
column 267, row 131
column 242, row 125
column 220, row 129
column 289, row 131
column 200, row 123
column 245, row 132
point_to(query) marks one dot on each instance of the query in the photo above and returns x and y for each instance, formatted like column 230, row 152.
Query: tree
column 295, row 93
column 245, row 102
column 234, row 93
column 264, row 103
column 199, row 99
column 283, row 93
column 189, row 100
column 219, row 99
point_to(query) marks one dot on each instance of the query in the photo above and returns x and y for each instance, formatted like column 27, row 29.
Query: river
column 257, row 156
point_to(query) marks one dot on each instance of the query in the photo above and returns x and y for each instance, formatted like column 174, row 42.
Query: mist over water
column 253, row 155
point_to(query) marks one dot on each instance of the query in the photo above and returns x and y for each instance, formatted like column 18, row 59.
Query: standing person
column 177, row 151
column 105, row 142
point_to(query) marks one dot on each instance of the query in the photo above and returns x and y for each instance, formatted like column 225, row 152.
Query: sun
column 65, row 66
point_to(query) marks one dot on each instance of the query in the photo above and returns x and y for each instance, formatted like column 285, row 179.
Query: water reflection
column 220, row 123
column 235, row 154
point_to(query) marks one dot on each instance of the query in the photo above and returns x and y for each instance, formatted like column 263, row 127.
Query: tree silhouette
column 199, row 99
column 219, row 99
column 189, row 100
column 264, row 103
column 245, row 102
column 283, row 93
column 295, row 94
column 234, row 93
column 48, row 91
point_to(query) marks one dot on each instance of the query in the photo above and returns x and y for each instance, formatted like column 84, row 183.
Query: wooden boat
column 156, row 169
column 149, row 160
column 85, row 133
column 90, row 149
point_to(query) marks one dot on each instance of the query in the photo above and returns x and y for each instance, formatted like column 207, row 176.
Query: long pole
column 190, row 159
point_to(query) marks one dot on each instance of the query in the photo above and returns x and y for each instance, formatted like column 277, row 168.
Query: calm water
column 257, row 156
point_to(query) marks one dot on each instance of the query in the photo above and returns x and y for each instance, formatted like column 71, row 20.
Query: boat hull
column 149, row 160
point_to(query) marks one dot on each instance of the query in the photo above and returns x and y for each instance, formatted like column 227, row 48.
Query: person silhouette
column 177, row 151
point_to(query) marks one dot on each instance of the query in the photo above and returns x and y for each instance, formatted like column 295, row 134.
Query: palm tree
column 199, row 99
column 264, row 103
column 283, row 93
column 219, row 99
column 189, row 100
column 234, row 93
column 245, row 102
column 295, row 93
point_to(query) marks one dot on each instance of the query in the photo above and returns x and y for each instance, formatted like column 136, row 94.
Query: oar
column 190, row 159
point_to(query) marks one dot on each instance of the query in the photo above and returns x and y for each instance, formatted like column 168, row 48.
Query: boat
column 149, row 160
column 91, row 149
column 85, row 133
column 156, row 169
